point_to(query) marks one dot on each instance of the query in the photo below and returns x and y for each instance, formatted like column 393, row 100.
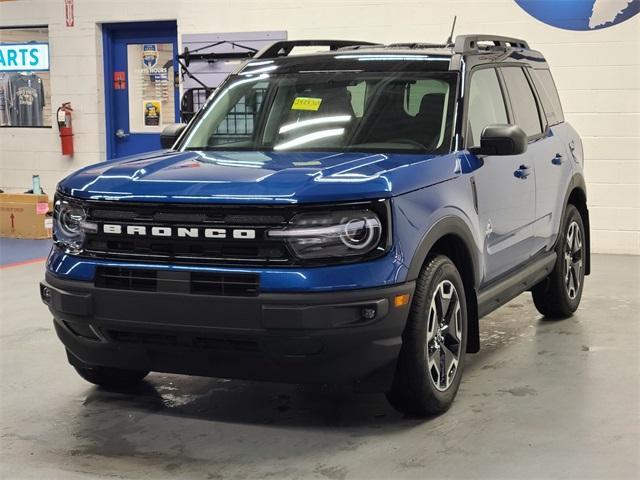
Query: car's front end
column 279, row 254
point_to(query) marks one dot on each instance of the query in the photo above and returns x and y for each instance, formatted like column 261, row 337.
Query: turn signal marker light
column 401, row 300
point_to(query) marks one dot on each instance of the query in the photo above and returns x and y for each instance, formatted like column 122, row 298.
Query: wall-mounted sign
column 68, row 13
column 24, row 57
column 581, row 14
column 119, row 81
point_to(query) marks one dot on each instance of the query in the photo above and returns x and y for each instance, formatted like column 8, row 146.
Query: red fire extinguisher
column 66, row 130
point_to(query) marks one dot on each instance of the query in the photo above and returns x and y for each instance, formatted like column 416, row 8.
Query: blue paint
column 575, row 14
column 116, row 37
column 387, row 270
column 14, row 250
column 260, row 177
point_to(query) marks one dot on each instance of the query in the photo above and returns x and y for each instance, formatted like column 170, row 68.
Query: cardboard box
column 24, row 215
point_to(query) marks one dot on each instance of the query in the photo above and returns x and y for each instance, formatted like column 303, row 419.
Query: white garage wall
column 597, row 72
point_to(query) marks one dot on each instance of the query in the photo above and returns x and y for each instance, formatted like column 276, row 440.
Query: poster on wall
column 149, row 55
column 151, row 110
column 581, row 15
column 151, row 100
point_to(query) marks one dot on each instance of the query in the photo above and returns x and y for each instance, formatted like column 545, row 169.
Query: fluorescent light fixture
column 314, row 121
column 309, row 138
column 375, row 58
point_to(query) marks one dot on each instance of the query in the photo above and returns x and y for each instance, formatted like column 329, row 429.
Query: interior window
column 523, row 102
column 486, row 104
column 415, row 94
column 549, row 95
column 358, row 93
column 238, row 124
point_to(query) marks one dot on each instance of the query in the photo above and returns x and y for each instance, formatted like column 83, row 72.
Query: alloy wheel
column 444, row 335
column 573, row 255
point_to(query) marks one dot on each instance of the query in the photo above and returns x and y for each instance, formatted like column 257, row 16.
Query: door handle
column 557, row 160
column 522, row 172
column 120, row 133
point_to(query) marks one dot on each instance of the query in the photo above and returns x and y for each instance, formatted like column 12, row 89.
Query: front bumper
column 335, row 337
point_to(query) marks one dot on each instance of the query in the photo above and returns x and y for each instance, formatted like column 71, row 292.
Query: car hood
column 258, row 177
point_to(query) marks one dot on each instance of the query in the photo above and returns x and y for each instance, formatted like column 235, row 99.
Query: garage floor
column 542, row 400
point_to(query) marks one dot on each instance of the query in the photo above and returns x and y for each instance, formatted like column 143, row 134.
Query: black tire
column 558, row 296
column 111, row 377
column 414, row 390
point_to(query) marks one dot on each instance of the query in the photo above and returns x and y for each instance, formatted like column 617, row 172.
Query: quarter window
column 523, row 102
column 486, row 104
column 549, row 96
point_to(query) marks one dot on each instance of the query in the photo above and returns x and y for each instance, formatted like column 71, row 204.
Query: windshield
column 331, row 111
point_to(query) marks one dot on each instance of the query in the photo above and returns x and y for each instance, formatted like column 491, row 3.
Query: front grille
column 260, row 250
column 163, row 339
column 200, row 283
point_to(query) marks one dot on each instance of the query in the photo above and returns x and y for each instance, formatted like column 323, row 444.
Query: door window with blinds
column 151, row 99
column 24, row 77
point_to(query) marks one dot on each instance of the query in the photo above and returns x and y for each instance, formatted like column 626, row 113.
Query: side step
column 497, row 294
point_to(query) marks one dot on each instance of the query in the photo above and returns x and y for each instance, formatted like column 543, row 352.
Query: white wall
column 597, row 72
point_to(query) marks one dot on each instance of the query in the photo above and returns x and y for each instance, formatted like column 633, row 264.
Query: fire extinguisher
column 66, row 130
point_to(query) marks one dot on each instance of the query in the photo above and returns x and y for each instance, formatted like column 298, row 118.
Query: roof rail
column 284, row 47
column 469, row 43
column 417, row 45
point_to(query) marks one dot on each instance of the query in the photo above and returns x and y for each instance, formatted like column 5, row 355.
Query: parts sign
column 24, row 57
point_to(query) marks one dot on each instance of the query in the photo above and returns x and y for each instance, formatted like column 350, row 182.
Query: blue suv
column 346, row 216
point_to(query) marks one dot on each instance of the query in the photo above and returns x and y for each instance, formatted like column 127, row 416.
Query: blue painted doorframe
column 115, row 38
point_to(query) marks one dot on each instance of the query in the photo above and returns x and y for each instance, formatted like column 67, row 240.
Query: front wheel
column 558, row 295
column 434, row 342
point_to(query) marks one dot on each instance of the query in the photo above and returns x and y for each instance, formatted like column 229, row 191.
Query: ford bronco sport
column 345, row 216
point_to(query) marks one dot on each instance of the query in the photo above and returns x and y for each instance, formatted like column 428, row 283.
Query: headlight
column 69, row 225
column 332, row 234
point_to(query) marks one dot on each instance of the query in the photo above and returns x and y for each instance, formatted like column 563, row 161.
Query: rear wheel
column 558, row 295
column 111, row 377
column 434, row 342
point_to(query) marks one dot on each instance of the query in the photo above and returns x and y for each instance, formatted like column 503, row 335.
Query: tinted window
column 333, row 111
column 486, row 104
column 237, row 124
column 549, row 96
column 523, row 102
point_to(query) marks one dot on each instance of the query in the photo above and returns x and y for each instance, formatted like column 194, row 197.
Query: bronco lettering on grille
column 183, row 232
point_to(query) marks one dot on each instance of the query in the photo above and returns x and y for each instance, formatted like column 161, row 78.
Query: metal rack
column 284, row 48
column 469, row 43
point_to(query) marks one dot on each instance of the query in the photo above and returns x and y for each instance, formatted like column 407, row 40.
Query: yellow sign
column 151, row 112
column 306, row 103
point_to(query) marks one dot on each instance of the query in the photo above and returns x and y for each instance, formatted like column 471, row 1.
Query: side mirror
column 502, row 140
column 170, row 134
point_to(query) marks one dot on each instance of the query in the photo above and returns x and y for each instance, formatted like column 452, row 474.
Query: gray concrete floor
column 542, row 400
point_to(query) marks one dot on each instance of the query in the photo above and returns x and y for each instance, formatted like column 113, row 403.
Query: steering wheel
column 409, row 142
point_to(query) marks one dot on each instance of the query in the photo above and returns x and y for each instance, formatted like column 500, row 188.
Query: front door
column 505, row 185
column 141, row 94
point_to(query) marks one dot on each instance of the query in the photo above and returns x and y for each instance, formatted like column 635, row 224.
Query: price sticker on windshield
column 306, row 103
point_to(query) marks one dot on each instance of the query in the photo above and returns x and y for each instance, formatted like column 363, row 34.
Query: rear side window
column 549, row 95
column 523, row 102
column 486, row 104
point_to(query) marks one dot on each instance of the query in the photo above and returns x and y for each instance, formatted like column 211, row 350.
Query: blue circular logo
column 581, row 14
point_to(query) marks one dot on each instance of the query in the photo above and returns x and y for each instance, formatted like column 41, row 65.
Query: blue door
column 141, row 96
column 505, row 185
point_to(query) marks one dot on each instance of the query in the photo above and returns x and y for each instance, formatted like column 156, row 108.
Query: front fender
column 424, row 216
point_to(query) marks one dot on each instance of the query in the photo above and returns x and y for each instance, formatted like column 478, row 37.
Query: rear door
column 545, row 152
column 505, row 185
column 553, row 170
